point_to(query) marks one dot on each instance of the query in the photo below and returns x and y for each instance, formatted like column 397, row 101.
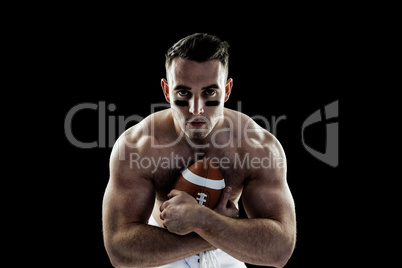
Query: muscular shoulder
column 259, row 150
column 140, row 140
column 251, row 135
column 148, row 130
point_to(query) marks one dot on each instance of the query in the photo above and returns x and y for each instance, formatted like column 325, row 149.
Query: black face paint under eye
column 181, row 103
column 212, row 103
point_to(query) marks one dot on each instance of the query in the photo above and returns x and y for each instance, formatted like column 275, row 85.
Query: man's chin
column 197, row 134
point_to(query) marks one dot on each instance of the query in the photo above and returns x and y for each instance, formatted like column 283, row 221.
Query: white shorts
column 225, row 260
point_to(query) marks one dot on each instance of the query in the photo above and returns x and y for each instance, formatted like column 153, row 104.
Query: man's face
column 197, row 92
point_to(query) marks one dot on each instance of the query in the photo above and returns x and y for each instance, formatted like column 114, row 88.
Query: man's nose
column 196, row 106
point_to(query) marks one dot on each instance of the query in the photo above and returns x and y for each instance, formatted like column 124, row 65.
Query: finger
column 173, row 193
column 225, row 196
column 164, row 205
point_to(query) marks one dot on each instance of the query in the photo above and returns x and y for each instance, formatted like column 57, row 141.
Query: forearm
column 255, row 241
column 141, row 245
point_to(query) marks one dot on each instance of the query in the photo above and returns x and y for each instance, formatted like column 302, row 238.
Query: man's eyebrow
column 180, row 87
column 211, row 86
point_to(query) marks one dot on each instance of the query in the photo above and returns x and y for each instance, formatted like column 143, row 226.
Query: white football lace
column 208, row 259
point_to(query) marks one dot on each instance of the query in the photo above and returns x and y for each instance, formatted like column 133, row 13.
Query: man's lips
column 197, row 123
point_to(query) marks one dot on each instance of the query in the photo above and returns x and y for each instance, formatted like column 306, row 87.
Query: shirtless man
column 147, row 224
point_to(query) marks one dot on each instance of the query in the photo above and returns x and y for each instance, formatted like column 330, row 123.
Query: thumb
column 225, row 196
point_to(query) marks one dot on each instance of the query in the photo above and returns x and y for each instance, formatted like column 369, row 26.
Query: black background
column 279, row 68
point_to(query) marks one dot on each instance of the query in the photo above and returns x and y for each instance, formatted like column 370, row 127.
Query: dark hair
column 199, row 47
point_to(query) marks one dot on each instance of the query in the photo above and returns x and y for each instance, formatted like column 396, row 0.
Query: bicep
column 268, row 196
column 266, row 193
column 129, row 196
column 128, row 203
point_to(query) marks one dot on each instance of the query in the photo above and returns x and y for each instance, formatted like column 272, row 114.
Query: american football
column 204, row 181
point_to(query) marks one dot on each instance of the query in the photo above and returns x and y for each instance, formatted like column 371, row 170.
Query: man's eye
column 210, row 92
column 183, row 93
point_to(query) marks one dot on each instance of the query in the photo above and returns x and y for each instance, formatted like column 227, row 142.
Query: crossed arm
column 267, row 237
column 130, row 241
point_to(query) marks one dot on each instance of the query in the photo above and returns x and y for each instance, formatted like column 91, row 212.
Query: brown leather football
column 204, row 181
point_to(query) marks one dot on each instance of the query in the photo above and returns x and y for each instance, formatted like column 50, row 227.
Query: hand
column 178, row 212
column 226, row 206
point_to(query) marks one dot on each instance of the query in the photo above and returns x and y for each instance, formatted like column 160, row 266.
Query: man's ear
column 165, row 88
column 228, row 88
